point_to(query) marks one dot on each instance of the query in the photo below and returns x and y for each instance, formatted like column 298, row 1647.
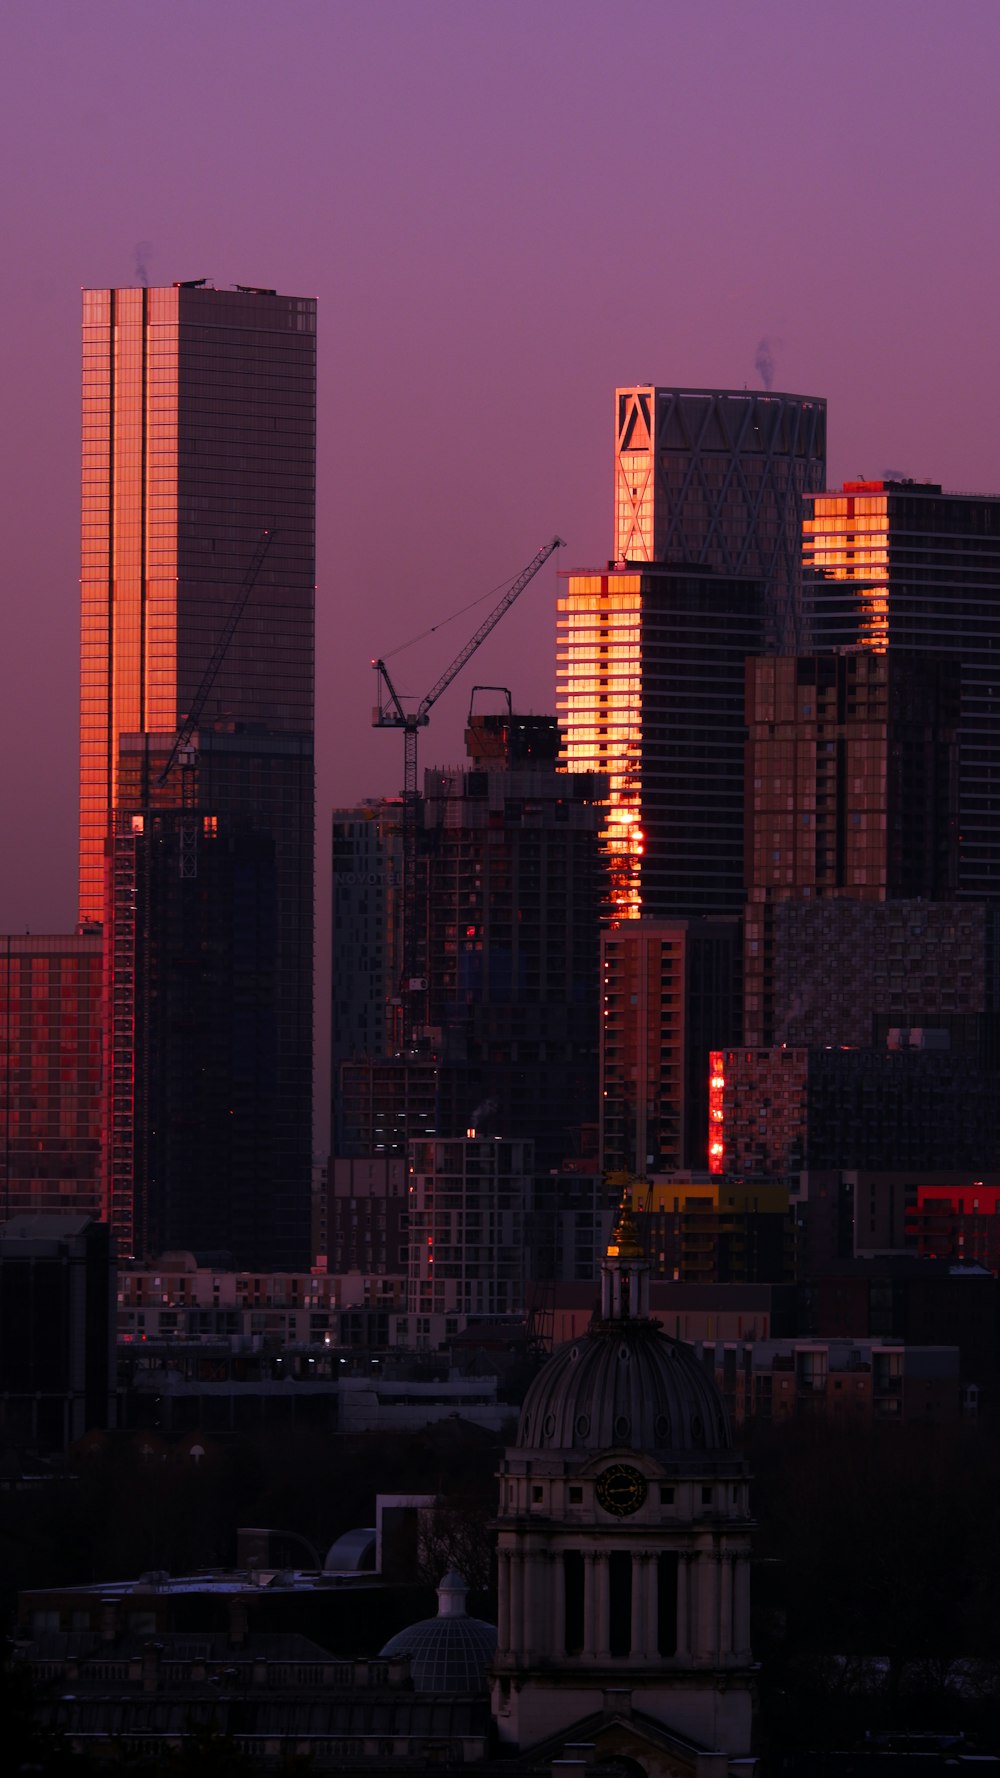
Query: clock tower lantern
column 624, row 1540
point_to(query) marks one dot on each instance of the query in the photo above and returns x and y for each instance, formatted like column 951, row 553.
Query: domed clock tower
column 624, row 1540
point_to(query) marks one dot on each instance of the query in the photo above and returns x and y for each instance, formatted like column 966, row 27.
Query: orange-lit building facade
column 714, row 478
column 905, row 567
column 199, row 426
column 851, row 792
column 649, row 688
column 706, row 570
column 50, row 1075
column 199, row 413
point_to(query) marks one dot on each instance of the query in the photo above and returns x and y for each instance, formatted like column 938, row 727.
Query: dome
column 450, row 1652
column 625, row 1384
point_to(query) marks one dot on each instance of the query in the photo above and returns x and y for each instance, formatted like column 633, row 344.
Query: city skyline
column 493, row 186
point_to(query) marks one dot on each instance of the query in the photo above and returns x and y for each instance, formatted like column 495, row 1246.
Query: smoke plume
column 764, row 361
column 143, row 251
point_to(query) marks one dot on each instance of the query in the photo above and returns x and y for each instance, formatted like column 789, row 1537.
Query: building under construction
column 507, row 1037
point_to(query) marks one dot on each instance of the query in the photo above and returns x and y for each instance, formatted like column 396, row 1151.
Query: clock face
column 621, row 1490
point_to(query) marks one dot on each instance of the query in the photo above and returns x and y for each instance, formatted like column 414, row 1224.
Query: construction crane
column 389, row 713
column 184, row 733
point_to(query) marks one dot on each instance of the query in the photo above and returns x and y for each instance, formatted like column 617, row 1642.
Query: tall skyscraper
column 649, row 685
column 706, row 571
column 650, row 670
column 852, row 792
column 510, row 862
column 209, row 944
column 199, row 433
column 514, row 893
column 904, row 567
column 199, row 439
column 714, row 478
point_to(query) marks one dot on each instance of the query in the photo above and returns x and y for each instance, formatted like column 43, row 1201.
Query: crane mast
column 389, row 713
column 217, row 656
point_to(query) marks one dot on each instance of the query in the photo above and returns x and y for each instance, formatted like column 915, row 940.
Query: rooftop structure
column 714, row 478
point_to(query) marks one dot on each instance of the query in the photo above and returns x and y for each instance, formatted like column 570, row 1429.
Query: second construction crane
column 389, row 713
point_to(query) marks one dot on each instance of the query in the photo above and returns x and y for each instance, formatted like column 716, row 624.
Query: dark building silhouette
column 514, row 892
column 514, row 886
column 847, row 972
column 904, row 567
column 366, row 962
column 57, row 1330
column 210, row 966
column 851, row 793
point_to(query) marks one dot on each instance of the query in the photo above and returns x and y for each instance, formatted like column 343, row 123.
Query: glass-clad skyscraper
column 199, row 428
column 649, row 679
column 904, row 567
column 199, row 433
column 714, row 478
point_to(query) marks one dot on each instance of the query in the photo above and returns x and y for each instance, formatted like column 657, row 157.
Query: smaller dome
column 450, row 1652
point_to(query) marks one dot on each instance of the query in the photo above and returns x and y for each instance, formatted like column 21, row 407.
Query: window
column 666, row 1604
column 620, row 1603
column 573, row 1594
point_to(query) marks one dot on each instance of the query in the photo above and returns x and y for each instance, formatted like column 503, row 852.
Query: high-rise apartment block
column 847, row 972
column 199, row 441
column 909, row 1104
column 514, row 894
column 714, row 478
column 367, row 962
column 50, row 1074
column 513, row 887
column 466, row 1228
column 649, row 684
column 210, row 974
column 670, row 989
column 700, row 1231
column 851, row 792
column 904, row 567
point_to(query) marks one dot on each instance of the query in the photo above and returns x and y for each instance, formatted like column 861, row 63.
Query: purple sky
column 504, row 209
